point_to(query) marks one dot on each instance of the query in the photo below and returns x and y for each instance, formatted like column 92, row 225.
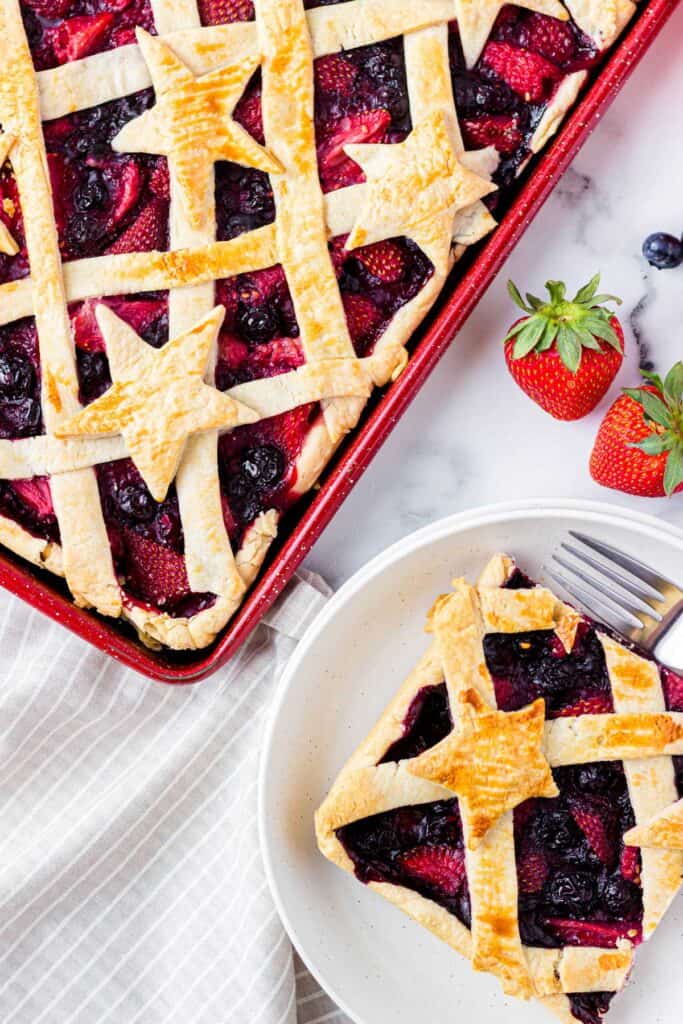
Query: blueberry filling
column 525, row 666
column 106, row 201
column 501, row 100
column 420, row 847
column 427, row 722
column 590, row 1007
column 20, row 408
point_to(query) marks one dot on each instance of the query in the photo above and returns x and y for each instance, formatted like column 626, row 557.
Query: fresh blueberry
column 92, row 194
column 257, row 324
column 263, row 465
column 21, row 418
column 595, row 778
column 136, row 503
column 571, row 893
column 621, row 898
column 663, row 251
column 17, row 376
column 93, row 374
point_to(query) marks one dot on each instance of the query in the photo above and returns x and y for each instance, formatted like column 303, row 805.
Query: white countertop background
column 471, row 437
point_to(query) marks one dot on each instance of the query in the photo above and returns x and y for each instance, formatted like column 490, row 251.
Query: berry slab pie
column 520, row 795
column 220, row 222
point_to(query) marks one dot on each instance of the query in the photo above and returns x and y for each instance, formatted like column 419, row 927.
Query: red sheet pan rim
column 361, row 447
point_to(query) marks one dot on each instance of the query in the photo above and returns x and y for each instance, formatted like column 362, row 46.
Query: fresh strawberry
column 147, row 232
column 221, row 12
column 334, row 74
column 528, row 74
column 439, row 866
column 599, row 704
column 593, row 933
column 629, row 864
column 159, row 183
column 565, row 353
column 551, row 38
column 338, row 170
column 673, row 689
column 597, row 824
column 362, row 316
column 384, row 260
column 249, row 114
column 80, row 36
column 36, row 493
column 157, row 574
column 499, row 130
column 532, row 871
column 639, row 447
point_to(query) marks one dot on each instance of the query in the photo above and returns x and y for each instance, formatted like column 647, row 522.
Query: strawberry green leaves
column 570, row 324
column 662, row 405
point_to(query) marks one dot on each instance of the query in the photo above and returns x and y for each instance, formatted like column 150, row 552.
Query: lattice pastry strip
column 494, row 761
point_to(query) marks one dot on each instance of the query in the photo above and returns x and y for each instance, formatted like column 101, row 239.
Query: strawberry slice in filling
column 60, row 31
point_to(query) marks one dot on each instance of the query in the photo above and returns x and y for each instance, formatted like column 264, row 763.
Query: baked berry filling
column 427, row 722
column 106, row 202
column 673, row 692
column 525, row 666
column 361, row 96
column 29, row 503
column 419, row 847
column 501, row 100
column 60, row 31
column 221, row 12
column 147, row 314
column 12, row 265
column 146, row 536
column 20, row 409
column 147, row 543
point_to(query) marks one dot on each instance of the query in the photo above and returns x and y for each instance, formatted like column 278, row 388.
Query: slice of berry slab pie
column 520, row 795
column 220, row 222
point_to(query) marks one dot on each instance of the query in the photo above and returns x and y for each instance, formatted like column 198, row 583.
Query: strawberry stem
column 570, row 324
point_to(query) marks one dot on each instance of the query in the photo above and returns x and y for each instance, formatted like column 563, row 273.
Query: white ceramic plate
column 379, row 966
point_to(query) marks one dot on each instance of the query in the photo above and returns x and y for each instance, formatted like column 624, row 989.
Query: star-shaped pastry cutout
column 7, row 243
column 191, row 122
column 415, row 188
column 158, row 397
column 663, row 832
column 492, row 760
column 476, row 19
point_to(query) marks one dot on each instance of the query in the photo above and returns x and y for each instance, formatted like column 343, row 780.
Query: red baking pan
column 304, row 524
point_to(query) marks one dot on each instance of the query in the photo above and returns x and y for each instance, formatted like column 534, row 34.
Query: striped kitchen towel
column 131, row 884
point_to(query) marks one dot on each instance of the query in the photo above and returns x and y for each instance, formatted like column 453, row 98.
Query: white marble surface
column 471, row 437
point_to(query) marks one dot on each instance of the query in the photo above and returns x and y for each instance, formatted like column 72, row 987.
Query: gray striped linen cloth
column 131, row 882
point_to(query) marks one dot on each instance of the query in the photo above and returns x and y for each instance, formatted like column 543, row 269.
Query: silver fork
column 624, row 593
